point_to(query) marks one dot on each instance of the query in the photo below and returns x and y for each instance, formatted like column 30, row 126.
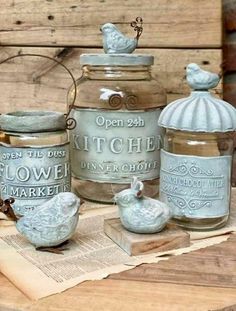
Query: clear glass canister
column 117, row 134
column 34, row 158
column 203, row 184
column 196, row 160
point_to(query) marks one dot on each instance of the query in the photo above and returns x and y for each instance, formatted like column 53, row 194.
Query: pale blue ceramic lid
column 32, row 121
column 200, row 112
column 116, row 59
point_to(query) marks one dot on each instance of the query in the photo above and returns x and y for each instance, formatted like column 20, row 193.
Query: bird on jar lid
column 199, row 79
column 115, row 42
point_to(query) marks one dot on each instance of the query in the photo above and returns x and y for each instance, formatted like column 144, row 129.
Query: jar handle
column 70, row 122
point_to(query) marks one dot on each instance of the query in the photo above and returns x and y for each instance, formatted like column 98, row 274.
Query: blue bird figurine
column 51, row 224
column 199, row 79
column 114, row 42
column 141, row 214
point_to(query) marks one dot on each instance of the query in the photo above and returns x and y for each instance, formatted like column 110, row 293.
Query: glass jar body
column 195, row 177
column 34, row 167
column 117, row 135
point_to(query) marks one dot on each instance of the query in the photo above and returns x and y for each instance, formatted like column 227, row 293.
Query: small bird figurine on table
column 50, row 225
column 114, row 42
column 199, row 79
column 141, row 214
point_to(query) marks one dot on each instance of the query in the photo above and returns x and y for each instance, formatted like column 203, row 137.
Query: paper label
column 195, row 187
column 33, row 175
column 114, row 146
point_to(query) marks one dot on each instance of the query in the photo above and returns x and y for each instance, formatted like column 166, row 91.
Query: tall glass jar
column 196, row 160
column 117, row 135
column 34, row 158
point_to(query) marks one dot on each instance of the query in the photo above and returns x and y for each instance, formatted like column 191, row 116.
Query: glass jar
column 117, row 135
column 203, row 145
column 34, row 158
column 196, row 160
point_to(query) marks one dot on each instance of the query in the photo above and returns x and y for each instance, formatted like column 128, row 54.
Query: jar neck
column 117, row 72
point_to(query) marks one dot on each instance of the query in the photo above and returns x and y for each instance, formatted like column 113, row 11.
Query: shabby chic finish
column 53, row 222
column 120, row 101
column 197, row 155
column 141, row 214
column 34, row 154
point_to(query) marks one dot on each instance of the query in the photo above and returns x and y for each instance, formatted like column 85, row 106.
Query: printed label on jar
column 33, row 175
column 195, row 187
column 114, row 146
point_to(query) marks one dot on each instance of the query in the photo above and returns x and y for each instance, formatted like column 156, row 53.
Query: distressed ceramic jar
column 34, row 158
column 197, row 155
column 117, row 135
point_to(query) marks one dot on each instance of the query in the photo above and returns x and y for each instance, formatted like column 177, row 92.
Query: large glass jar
column 117, row 134
column 196, row 160
column 34, row 158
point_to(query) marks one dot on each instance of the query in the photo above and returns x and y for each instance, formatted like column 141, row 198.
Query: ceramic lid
column 32, row 121
column 201, row 111
column 116, row 59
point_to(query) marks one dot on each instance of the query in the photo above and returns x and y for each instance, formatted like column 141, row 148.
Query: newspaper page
column 91, row 255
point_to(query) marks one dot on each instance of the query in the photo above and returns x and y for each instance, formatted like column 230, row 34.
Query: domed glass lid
column 200, row 112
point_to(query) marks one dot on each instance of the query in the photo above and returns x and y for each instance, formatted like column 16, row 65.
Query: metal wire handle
column 70, row 122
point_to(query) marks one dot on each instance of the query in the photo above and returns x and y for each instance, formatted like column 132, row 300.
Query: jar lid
column 200, row 112
column 116, row 59
column 32, row 121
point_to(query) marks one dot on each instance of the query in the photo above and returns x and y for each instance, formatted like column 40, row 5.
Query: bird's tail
column 138, row 26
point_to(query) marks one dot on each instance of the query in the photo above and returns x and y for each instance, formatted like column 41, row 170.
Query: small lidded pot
column 34, row 158
column 116, row 135
column 197, row 155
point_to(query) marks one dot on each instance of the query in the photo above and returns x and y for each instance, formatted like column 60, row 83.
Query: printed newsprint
column 91, row 255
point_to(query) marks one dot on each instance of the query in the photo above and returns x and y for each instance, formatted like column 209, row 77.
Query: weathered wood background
column 176, row 32
column 229, row 60
column 229, row 50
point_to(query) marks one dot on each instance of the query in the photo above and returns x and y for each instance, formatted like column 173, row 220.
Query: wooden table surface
column 201, row 280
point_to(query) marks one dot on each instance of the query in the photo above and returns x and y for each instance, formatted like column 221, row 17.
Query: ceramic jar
column 196, row 159
column 34, row 158
column 117, row 135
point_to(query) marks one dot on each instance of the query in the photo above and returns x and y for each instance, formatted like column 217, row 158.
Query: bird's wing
column 151, row 210
column 52, row 215
column 119, row 42
column 204, row 78
column 207, row 76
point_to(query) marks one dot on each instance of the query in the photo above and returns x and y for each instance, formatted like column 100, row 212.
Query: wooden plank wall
column 176, row 32
column 229, row 61
column 229, row 48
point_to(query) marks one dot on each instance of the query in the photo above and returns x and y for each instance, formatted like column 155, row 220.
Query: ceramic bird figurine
column 52, row 223
column 199, row 79
column 114, row 42
column 141, row 214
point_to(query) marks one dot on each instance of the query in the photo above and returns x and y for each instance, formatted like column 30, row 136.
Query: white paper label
column 195, row 187
column 113, row 146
